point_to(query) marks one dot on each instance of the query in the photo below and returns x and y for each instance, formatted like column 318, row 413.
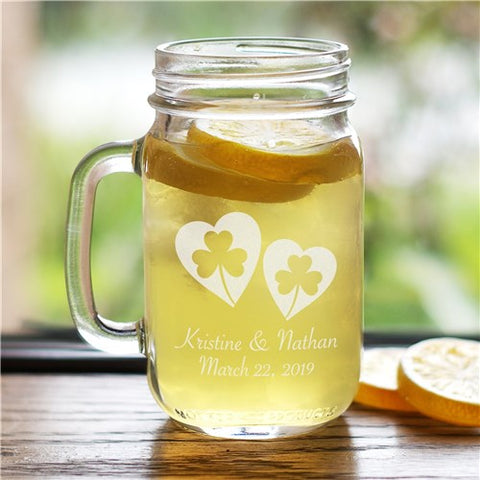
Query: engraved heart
column 297, row 277
column 223, row 257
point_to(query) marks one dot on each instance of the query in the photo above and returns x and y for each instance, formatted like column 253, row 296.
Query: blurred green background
column 77, row 74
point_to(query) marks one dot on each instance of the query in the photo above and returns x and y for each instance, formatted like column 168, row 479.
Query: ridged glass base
column 252, row 432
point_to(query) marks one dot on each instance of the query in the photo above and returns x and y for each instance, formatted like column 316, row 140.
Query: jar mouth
column 249, row 56
column 259, row 47
column 285, row 73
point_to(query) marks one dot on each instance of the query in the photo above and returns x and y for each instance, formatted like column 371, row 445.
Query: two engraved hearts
column 223, row 259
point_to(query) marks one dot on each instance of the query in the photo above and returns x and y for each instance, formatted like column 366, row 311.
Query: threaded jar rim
column 290, row 73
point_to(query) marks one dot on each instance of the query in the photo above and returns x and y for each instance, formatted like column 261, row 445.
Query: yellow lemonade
column 253, row 274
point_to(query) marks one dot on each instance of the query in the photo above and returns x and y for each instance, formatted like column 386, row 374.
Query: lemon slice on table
column 440, row 377
column 378, row 380
column 293, row 151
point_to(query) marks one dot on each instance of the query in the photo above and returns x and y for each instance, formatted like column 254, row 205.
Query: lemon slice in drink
column 293, row 151
column 378, row 380
column 440, row 377
column 173, row 165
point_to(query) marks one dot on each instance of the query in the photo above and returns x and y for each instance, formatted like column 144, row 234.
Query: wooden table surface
column 107, row 425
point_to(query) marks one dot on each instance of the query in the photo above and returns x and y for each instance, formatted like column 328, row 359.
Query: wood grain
column 105, row 425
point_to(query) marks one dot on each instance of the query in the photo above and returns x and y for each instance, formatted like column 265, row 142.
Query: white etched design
column 223, row 257
column 297, row 277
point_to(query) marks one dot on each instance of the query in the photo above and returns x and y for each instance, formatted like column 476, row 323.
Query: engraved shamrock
column 219, row 256
column 298, row 276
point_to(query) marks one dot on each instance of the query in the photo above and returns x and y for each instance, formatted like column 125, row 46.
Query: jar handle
column 101, row 333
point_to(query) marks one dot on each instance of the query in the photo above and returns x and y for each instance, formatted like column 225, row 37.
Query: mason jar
column 253, row 242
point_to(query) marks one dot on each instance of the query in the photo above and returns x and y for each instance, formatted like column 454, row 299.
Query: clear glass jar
column 253, row 243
